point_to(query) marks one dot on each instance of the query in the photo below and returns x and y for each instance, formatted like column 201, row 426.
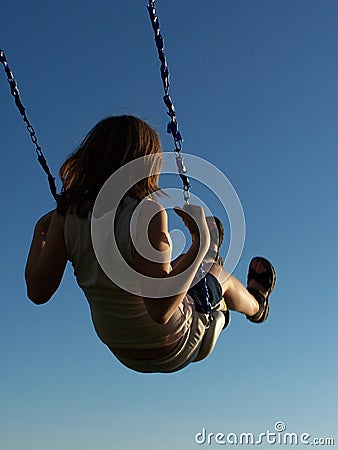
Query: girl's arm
column 161, row 309
column 47, row 258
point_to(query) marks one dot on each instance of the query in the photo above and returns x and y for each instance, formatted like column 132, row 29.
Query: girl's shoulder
column 151, row 211
column 150, row 205
column 60, row 219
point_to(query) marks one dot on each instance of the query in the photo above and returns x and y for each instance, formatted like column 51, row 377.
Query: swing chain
column 16, row 95
column 172, row 127
column 206, row 296
column 182, row 170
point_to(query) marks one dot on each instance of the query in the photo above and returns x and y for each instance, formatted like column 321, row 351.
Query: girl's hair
column 112, row 143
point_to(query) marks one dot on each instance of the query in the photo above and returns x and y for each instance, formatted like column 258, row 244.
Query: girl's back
column 120, row 319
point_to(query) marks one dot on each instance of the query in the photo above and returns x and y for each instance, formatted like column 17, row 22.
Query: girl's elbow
column 161, row 319
column 159, row 316
column 40, row 291
column 39, row 298
column 160, row 310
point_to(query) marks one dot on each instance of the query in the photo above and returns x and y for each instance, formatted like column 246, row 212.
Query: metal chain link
column 16, row 95
column 206, row 297
column 172, row 127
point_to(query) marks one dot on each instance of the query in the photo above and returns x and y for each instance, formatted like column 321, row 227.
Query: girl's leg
column 237, row 297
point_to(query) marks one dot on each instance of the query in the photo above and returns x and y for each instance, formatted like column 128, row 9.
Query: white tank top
column 120, row 318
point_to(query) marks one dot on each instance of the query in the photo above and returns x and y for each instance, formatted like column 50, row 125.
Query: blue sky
column 254, row 85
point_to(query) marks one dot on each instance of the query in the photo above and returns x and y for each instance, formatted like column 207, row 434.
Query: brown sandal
column 268, row 280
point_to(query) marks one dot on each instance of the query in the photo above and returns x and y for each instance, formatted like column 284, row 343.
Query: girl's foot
column 261, row 281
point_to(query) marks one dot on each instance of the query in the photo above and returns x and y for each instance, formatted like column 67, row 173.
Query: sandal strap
column 263, row 278
column 263, row 303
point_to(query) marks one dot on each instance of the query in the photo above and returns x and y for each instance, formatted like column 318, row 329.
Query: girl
column 149, row 331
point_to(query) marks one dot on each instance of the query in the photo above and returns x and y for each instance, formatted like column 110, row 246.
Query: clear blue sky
column 254, row 83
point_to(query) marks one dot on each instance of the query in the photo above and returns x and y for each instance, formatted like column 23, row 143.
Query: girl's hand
column 194, row 219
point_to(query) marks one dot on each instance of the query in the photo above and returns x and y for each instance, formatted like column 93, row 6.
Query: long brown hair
column 112, row 143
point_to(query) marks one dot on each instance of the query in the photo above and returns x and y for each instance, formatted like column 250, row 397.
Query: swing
column 217, row 319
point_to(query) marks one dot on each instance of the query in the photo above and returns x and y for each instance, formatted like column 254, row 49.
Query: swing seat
column 217, row 323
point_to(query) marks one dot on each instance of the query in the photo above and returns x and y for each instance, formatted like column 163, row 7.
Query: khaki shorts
column 185, row 352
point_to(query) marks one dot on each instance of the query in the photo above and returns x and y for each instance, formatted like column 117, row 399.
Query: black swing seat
column 216, row 325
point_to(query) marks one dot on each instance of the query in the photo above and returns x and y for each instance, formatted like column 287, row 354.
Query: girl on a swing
column 146, row 333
